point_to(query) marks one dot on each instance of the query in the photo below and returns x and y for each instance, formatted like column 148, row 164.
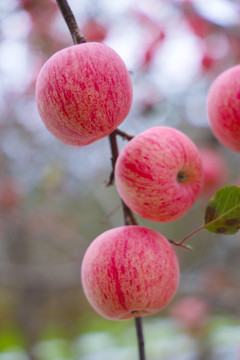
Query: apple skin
column 129, row 271
column 159, row 175
column 223, row 108
column 83, row 93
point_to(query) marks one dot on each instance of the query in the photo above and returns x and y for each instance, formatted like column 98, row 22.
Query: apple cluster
column 83, row 93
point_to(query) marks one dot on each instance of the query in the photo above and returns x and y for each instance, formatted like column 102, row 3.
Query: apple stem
column 181, row 243
column 114, row 149
column 138, row 323
column 70, row 20
column 123, row 134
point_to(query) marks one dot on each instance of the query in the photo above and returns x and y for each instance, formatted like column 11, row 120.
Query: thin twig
column 115, row 153
column 70, row 20
column 124, row 135
column 129, row 219
column 114, row 150
column 138, row 324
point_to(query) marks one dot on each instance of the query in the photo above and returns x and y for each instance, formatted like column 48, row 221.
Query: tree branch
column 138, row 324
column 70, row 20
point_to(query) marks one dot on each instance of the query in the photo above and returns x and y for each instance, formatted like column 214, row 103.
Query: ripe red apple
column 215, row 171
column 223, row 107
column 83, row 93
column 129, row 271
column 159, row 174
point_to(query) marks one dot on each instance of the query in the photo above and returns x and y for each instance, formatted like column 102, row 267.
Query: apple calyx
column 182, row 177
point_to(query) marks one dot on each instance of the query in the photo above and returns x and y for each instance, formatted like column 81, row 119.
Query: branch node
column 181, row 244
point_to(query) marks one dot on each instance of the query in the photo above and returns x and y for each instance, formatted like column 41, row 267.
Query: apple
column 159, row 174
column 191, row 311
column 83, row 93
column 93, row 30
column 215, row 171
column 223, row 108
column 129, row 271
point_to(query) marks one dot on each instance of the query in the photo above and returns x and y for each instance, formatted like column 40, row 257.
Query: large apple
column 129, row 271
column 83, row 93
column 159, row 174
column 223, row 108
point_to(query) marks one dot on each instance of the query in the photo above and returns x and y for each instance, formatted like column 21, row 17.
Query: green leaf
column 222, row 214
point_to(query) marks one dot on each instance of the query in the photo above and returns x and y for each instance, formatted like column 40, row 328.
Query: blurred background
column 54, row 200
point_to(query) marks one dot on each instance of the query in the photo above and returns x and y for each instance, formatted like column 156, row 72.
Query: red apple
column 215, row 171
column 94, row 30
column 191, row 311
column 83, row 93
column 159, row 174
column 223, row 107
column 129, row 271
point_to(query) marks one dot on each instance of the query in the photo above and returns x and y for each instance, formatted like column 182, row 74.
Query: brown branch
column 127, row 213
column 129, row 219
column 124, row 135
column 115, row 153
column 139, row 329
column 70, row 20
column 114, row 150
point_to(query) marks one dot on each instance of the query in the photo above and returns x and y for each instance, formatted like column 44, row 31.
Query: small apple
column 223, row 108
column 159, row 174
column 215, row 171
column 83, row 93
column 129, row 271
column 190, row 311
column 94, row 30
